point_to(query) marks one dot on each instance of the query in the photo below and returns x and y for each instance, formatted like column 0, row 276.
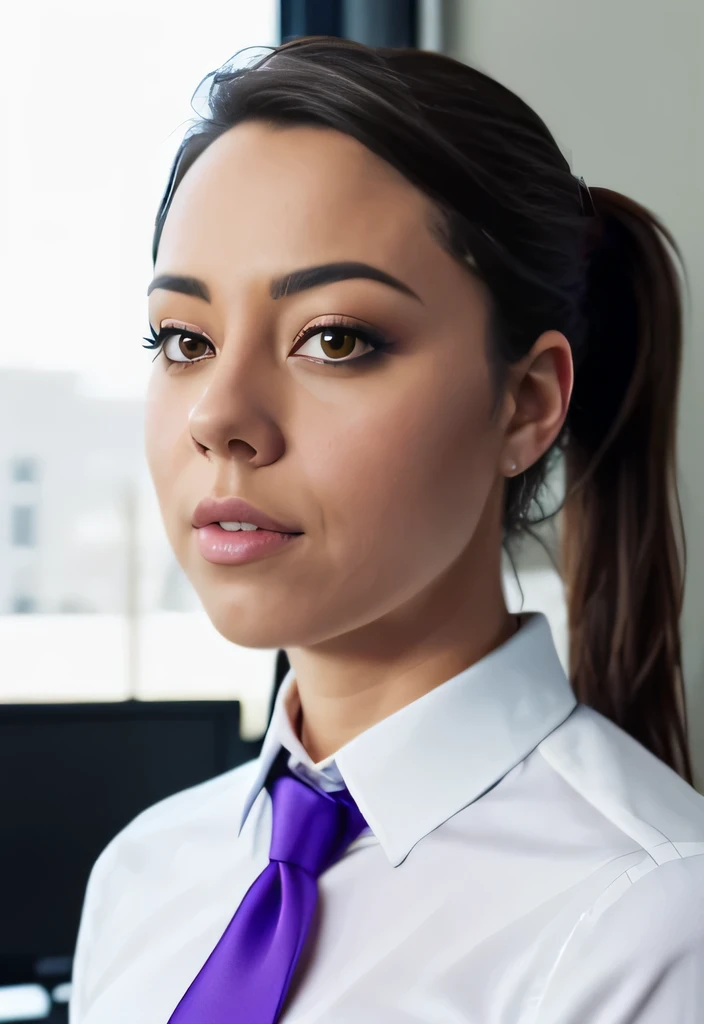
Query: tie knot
column 311, row 829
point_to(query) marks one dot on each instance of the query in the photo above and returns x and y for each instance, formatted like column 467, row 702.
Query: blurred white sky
column 94, row 100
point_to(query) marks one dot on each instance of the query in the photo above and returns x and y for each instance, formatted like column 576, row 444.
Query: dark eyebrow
column 184, row 285
column 312, row 277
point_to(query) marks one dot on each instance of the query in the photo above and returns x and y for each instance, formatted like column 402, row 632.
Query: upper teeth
column 238, row 526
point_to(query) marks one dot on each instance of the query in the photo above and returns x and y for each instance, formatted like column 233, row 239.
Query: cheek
column 415, row 466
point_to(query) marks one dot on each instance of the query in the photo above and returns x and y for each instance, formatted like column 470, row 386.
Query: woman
column 382, row 304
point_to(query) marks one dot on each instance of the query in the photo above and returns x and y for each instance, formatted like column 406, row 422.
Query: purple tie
column 246, row 977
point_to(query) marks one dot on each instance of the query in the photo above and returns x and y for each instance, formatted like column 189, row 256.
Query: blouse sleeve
column 638, row 961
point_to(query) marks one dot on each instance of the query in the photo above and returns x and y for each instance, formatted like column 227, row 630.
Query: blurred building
column 77, row 509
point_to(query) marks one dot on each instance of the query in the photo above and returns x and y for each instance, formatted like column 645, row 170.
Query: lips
column 235, row 510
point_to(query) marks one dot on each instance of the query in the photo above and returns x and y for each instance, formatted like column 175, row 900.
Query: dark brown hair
column 592, row 264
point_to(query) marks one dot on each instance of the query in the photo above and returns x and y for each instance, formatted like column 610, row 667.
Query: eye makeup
column 335, row 331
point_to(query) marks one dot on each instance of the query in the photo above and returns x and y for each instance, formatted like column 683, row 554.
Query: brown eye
column 335, row 344
column 338, row 343
column 184, row 347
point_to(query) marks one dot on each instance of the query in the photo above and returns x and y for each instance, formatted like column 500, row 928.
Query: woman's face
column 387, row 460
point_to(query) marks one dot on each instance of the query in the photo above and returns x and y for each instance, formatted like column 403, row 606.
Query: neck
column 346, row 685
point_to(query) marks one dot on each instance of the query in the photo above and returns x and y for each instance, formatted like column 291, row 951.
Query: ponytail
column 623, row 541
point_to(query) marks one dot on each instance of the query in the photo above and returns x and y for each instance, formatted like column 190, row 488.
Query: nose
column 234, row 417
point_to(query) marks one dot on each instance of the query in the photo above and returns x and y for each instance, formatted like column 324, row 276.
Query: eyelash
column 377, row 342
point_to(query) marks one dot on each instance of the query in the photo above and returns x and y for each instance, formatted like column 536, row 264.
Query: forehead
column 274, row 195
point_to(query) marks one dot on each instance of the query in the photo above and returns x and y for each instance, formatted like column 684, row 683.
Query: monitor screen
column 71, row 776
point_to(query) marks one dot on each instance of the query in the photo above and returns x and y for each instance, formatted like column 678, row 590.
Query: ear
column 538, row 393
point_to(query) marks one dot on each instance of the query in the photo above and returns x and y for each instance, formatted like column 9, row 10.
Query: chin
column 244, row 631
column 251, row 626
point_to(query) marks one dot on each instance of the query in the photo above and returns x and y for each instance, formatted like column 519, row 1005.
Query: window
column 95, row 100
column 23, row 526
column 24, row 470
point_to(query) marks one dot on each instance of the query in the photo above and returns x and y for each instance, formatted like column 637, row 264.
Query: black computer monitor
column 73, row 775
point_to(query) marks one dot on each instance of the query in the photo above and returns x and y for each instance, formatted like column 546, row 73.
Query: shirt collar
column 413, row 770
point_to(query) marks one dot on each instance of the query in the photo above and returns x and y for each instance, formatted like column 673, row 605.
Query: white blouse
column 527, row 862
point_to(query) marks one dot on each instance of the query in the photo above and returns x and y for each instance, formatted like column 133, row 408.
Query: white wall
column 621, row 85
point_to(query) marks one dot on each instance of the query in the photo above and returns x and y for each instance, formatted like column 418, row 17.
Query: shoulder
column 639, row 794
column 161, row 833
column 187, row 809
column 635, row 951
column 165, row 848
column 636, row 954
